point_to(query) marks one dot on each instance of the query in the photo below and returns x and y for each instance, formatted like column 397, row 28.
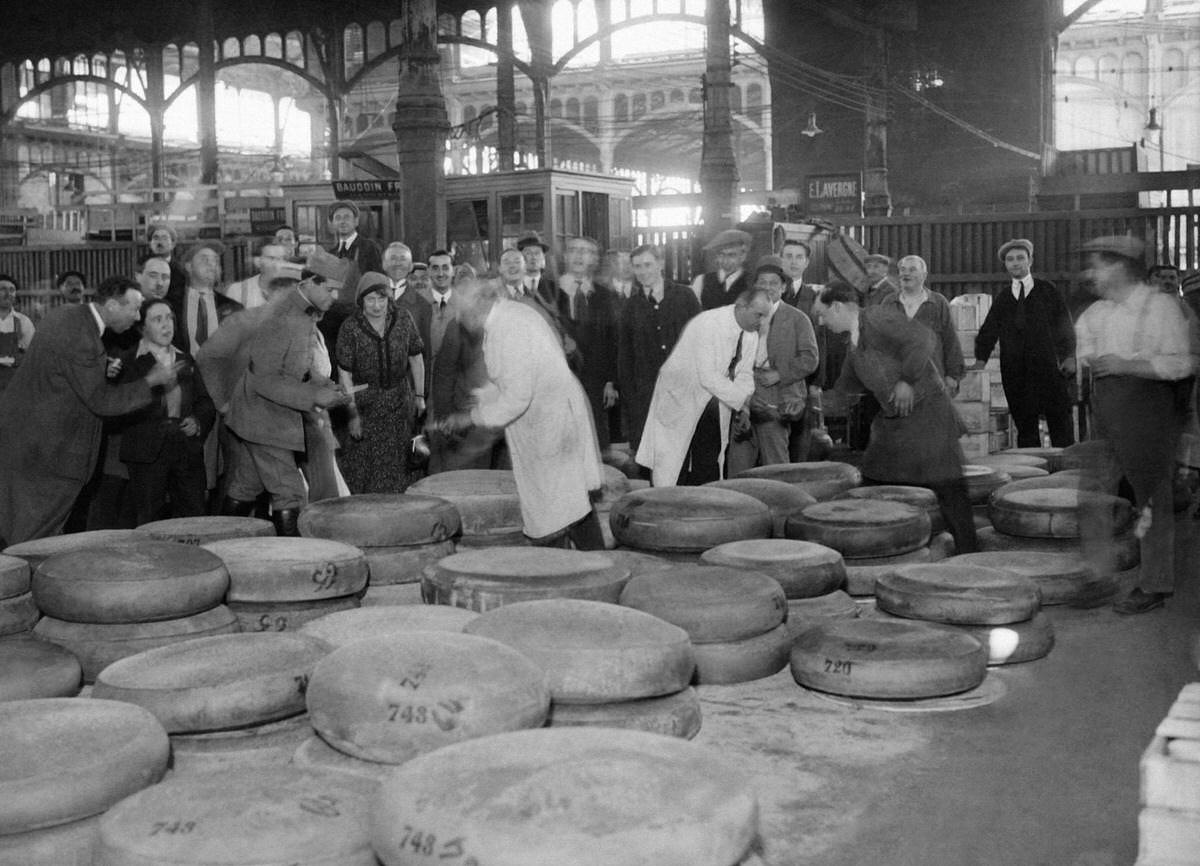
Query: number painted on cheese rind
column 266, row 622
column 862, row 647
column 324, row 805
column 325, row 577
column 172, row 828
column 425, row 844
column 444, row 714
column 838, row 666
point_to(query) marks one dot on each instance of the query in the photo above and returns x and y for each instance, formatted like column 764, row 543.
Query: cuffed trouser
column 255, row 467
column 767, row 445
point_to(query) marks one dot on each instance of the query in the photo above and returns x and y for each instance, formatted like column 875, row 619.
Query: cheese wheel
column 592, row 652
column 888, row 660
column 63, row 845
column 1125, row 553
column 982, row 480
column 637, row 562
column 1017, row 472
column 486, row 579
column 290, row 569
column 286, row 616
column 381, row 519
column 486, row 499
column 1069, row 479
column 779, row 496
column 97, row 645
column 202, row 530
column 39, row 549
column 957, row 594
column 338, row 629
column 613, row 485
column 17, row 614
column 502, row 537
column 862, row 527
column 265, row 815
column 921, row 497
column 1010, row 644
column 743, row 660
column 63, row 759
column 862, row 573
column 804, row 613
column 31, row 668
column 130, row 581
column 317, row 755
column 389, row 699
column 823, row 480
column 804, row 569
column 710, row 602
column 687, row 519
column 394, row 594
column 1052, row 513
column 1062, row 578
column 1004, row 460
column 14, row 576
column 272, row 744
column 393, row 565
column 217, row 683
column 579, row 796
column 676, row 715
column 1052, row 456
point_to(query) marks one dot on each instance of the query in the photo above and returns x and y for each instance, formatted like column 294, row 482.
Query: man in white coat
column 532, row 395
column 707, row 377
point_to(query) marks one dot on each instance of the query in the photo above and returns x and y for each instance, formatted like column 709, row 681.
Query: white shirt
column 1026, row 282
column 398, row 289
column 191, row 314
column 1146, row 326
column 439, row 298
column 96, row 315
column 18, row 321
column 347, row 242
column 654, row 293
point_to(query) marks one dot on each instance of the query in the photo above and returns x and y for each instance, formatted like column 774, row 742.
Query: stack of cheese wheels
column 804, row 569
column 804, row 613
column 398, row 533
column 347, row 626
column 40, row 549
column 614, row 484
column 278, row 584
column 873, row 535
column 884, row 659
column 226, row 699
column 735, row 618
column 683, row 522
column 983, row 480
column 250, row 817
column 487, row 504
column 202, row 530
column 18, row 612
column 586, row 797
column 388, row 699
column 825, row 479
column 107, row 603
column 485, row 579
column 921, row 497
column 998, row 607
column 64, row 761
column 1052, row 456
column 32, row 668
column 629, row 669
column 1063, row 578
column 782, row 498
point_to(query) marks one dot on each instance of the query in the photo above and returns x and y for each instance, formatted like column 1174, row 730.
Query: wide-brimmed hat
column 728, row 238
column 533, row 240
column 1016, row 244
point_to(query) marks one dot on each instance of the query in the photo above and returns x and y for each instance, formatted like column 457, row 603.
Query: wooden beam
column 1067, row 20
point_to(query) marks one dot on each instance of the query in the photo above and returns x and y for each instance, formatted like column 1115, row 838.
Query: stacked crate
column 1169, row 823
column 980, row 401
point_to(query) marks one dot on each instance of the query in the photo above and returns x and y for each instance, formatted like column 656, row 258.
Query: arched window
column 572, row 112
column 639, row 105
column 252, row 47
column 1133, row 79
column 1085, row 67
column 676, row 96
column 1174, row 72
column 754, row 102
column 695, row 96
column 591, row 114
column 1110, row 70
column 621, row 108
column 556, row 108
column 657, row 100
column 735, row 99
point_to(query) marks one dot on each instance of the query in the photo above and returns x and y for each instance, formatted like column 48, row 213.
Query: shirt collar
column 147, row 348
column 349, row 241
column 445, row 297
column 1026, row 281
column 96, row 315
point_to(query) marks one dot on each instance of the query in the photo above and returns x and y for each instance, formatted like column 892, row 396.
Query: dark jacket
column 714, row 294
column 183, row 338
column 144, row 432
column 595, row 336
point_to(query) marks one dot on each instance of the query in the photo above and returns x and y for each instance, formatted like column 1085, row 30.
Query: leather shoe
column 1139, row 602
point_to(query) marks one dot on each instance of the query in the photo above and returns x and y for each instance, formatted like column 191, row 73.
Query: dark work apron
column 8, row 349
column 1138, row 419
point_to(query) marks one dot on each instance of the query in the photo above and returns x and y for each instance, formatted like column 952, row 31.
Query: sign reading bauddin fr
column 833, row 194
column 361, row 190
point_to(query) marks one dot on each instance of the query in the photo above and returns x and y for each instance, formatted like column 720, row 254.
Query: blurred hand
column 766, row 376
column 951, row 385
column 902, row 399
column 329, row 396
column 164, row 377
column 7, row 361
column 189, row 426
column 355, row 428
column 113, row 369
column 1068, row 367
column 1108, row 365
column 611, row 395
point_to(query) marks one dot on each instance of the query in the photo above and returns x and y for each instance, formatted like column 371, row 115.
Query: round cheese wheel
column 779, row 496
column 486, row 579
column 486, row 499
column 264, row 815
column 70, row 844
column 1017, row 472
column 888, row 660
column 97, row 645
column 802, row 568
column 982, row 480
column 31, row 668
column 1006, row 459
column 804, row 613
column 1052, row 456
column 676, row 715
column 637, row 562
column 286, row 615
column 39, row 549
column 920, row 497
column 504, row 537
column 290, row 569
column 1052, row 513
column 862, row 527
column 687, row 519
column 381, row 519
column 393, row 565
column 338, row 629
column 14, row 576
column 1010, row 644
column 18, row 614
column 861, row 574
column 395, row 594
column 710, row 602
column 389, row 699
column 63, row 759
column 217, row 683
column 593, row 652
column 613, row 485
column 272, row 744
column 957, row 594
column 824, row 479
column 1070, row 479
column 130, row 581
column 744, row 660
column 1126, row 552
column 202, row 530
column 583, row 796
column 1062, row 578
column 317, row 755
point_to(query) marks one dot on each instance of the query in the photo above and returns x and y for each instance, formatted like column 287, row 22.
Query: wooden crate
column 976, row 386
column 976, row 416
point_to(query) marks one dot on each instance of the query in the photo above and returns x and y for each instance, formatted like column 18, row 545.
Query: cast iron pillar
column 506, row 90
column 718, row 164
column 206, row 92
column 878, row 198
column 155, row 99
column 536, row 16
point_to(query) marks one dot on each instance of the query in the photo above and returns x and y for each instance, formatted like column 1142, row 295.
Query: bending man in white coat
column 707, row 377
column 547, row 422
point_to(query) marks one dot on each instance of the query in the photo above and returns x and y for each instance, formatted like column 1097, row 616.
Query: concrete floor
column 1047, row 775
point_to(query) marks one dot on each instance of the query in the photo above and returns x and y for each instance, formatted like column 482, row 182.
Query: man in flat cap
column 349, row 244
column 722, row 287
column 1037, row 349
column 1133, row 342
column 162, row 240
column 878, row 268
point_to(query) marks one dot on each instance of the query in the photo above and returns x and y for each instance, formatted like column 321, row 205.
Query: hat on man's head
column 214, row 245
column 289, row 270
column 370, row 281
column 153, row 227
column 1016, row 244
column 418, row 266
column 877, row 259
column 343, row 204
column 1125, row 246
column 728, row 238
column 333, row 269
column 533, row 239
column 771, row 265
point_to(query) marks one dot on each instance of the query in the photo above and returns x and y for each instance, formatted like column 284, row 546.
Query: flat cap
column 323, row 264
column 728, row 238
column 419, row 266
column 1015, row 244
column 343, row 204
column 1118, row 245
column 771, row 265
column 166, row 227
column 877, row 259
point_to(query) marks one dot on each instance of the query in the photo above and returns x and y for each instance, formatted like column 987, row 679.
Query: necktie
column 441, row 307
column 343, row 250
column 1019, row 318
column 201, row 318
column 737, row 356
column 580, row 301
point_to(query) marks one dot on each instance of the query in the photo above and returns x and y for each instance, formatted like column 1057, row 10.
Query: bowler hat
column 1125, row 246
column 533, row 240
column 1016, row 244
column 418, row 266
column 728, row 238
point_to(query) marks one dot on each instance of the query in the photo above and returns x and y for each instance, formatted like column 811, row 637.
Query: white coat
column 696, row 371
column 547, row 421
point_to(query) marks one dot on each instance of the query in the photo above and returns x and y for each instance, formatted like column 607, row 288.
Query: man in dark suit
column 1037, row 349
column 721, row 287
column 200, row 309
column 397, row 265
column 348, row 243
column 162, row 240
column 50, row 414
column 592, row 324
column 537, row 282
column 650, row 325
